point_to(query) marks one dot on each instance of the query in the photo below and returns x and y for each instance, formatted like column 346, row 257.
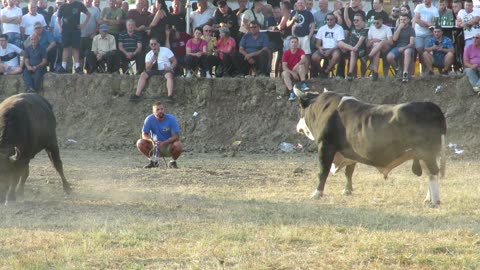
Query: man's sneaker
column 173, row 164
column 405, row 77
column 189, row 74
column 349, row 77
column 170, row 100
column 476, row 89
column 151, row 165
column 208, row 76
column 135, row 98
column 304, row 87
column 375, row 76
column 78, row 70
column 430, row 73
column 292, row 96
column 61, row 70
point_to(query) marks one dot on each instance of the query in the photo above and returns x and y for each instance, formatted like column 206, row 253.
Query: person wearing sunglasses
column 379, row 42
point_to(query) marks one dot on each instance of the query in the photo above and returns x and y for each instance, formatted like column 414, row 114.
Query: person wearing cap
column 424, row 15
column 158, row 61
column 439, row 52
column 404, row 46
column 47, row 42
column 224, row 17
column 225, row 49
column 35, row 63
column 71, row 32
column 11, row 19
column 29, row 20
column 104, row 50
column 471, row 63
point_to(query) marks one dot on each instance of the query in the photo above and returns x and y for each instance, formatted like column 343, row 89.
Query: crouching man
column 160, row 130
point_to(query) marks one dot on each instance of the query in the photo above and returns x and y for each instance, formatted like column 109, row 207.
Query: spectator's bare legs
column 176, row 150
column 352, row 62
column 142, row 81
column 448, row 61
column 169, row 77
column 287, row 79
column 333, row 61
column 145, row 147
column 76, row 57
column 407, row 58
column 428, row 61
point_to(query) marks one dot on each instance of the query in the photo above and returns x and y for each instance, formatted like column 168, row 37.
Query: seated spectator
column 176, row 42
column 471, row 63
column 379, row 42
column 130, row 47
column 253, row 52
column 11, row 18
column 35, row 65
column 356, row 46
column 104, row 50
column 378, row 11
column 404, row 45
column 295, row 67
column 394, row 16
column 176, row 18
column 47, row 42
column 197, row 55
column 439, row 52
column 10, row 62
column 158, row 61
column 225, row 49
column 328, row 38
column 212, row 56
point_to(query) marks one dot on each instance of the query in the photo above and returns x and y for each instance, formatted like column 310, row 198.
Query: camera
column 437, row 43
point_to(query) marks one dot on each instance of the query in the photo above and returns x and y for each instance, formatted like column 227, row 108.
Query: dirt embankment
column 94, row 110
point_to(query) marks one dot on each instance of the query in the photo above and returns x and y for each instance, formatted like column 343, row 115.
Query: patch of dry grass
column 245, row 212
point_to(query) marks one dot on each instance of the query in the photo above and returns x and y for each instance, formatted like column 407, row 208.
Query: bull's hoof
column 67, row 189
column 432, row 204
column 347, row 192
column 316, row 195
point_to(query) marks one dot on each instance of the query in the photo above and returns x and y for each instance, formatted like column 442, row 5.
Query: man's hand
column 401, row 26
column 99, row 56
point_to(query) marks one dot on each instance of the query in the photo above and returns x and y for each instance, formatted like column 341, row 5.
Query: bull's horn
column 16, row 155
column 325, row 90
column 298, row 92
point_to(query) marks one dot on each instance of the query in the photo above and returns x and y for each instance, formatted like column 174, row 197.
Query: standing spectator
column 309, row 6
column 439, row 52
column 160, row 130
column 468, row 19
column 342, row 13
column 378, row 10
column 394, row 16
column 113, row 17
column 404, row 44
column 104, row 49
column 275, row 19
column 295, row 67
column 321, row 14
column 10, row 62
column 57, row 36
column 445, row 13
column 250, row 15
column 35, row 63
column 90, row 29
column 303, row 28
column 253, row 51
column 176, row 42
column 125, row 7
column 224, row 17
column 226, row 48
column 71, row 32
column 42, row 9
column 197, row 55
column 177, row 17
column 130, row 47
column 96, row 3
column 141, row 16
column 356, row 47
column 379, row 42
column 159, row 21
column 203, row 14
column 424, row 14
column 328, row 38
column 242, row 7
column 456, row 7
column 47, row 42
column 471, row 63
column 11, row 18
column 158, row 61
column 29, row 19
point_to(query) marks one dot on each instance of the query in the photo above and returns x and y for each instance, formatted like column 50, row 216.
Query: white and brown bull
column 348, row 131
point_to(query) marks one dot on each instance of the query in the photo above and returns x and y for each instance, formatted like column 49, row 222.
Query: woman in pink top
column 197, row 55
column 225, row 48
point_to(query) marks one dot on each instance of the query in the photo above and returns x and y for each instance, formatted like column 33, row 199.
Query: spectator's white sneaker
column 189, row 74
column 208, row 76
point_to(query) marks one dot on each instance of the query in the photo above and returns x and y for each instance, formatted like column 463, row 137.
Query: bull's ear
column 16, row 156
column 298, row 92
column 325, row 90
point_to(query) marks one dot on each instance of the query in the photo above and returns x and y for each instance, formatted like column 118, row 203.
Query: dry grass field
column 245, row 211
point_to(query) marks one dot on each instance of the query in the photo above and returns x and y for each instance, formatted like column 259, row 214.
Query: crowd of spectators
column 222, row 42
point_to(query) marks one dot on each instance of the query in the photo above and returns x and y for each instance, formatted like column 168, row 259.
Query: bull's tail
column 443, row 160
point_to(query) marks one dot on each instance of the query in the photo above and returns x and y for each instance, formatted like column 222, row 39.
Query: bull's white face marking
column 303, row 129
column 433, row 193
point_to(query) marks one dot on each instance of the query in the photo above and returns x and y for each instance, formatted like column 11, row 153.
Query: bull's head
column 305, row 100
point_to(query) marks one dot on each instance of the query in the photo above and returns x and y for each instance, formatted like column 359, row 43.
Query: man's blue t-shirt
column 446, row 43
column 163, row 130
column 250, row 44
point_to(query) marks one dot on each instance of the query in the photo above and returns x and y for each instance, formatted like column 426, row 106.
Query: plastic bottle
column 286, row 147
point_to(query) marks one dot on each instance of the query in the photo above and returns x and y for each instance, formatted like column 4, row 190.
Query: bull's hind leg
column 54, row 155
column 23, row 179
column 348, row 173
column 433, row 192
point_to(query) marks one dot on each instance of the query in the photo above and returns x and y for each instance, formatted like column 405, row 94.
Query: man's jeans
column 473, row 76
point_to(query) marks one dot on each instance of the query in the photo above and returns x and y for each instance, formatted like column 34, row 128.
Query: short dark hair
column 378, row 18
column 254, row 22
column 157, row 103
column 293, row 37
column 358, row 14
column 405, row 14
column 4, row 36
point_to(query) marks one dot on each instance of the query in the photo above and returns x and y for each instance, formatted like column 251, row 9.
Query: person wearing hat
column 439, row 52
column 47, row 42
column 11, row 18
column 71, row 31
column 104, row 50
column 471, row 63
column 224, row 17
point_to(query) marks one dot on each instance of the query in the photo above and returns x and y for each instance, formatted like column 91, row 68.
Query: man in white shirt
column 11, row 17
column 424, row 14
column 328, row 37
column 29, row 20
column 468, row 19
column 9, row 57
column 202, row 15
column 379, row 41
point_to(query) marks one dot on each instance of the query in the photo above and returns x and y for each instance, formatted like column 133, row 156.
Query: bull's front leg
column 348, row 174
column 433, row 192
column 325, row 156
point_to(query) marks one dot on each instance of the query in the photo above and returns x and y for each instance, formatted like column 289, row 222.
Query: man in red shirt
column 294, row 65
